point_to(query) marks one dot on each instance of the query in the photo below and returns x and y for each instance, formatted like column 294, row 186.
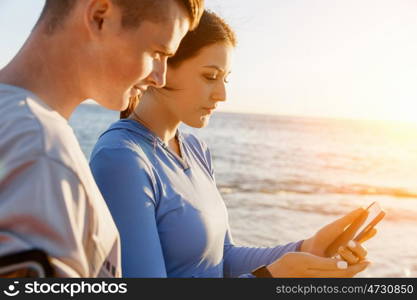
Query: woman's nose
column 220, row 94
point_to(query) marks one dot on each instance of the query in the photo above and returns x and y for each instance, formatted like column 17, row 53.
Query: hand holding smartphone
column 359, row 229
column 375, row 214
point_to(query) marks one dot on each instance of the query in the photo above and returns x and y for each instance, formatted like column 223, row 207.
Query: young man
column 106, row 50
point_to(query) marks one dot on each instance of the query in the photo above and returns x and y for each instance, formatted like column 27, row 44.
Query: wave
column 303, row 187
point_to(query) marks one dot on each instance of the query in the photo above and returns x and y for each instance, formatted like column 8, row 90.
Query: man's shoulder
column 29, row 128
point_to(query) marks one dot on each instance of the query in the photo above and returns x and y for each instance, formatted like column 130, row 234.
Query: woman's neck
column 156, row 117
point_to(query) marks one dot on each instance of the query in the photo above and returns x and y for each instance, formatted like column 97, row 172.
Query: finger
column 359, row 267
column 336, row 230
column 323, row 263
column 355, row 219
column 326, row 274
column 371, row 233
column 349, row 218
column 347, row 255
column 347, row 273
column 357, row 249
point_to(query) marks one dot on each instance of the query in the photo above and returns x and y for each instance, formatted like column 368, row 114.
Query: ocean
column 283, row 178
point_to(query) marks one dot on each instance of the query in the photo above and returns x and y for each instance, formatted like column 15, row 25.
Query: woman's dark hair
column 212, row 29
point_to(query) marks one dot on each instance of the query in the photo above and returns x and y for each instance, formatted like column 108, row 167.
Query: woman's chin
column 204, row 121
column 199, row 123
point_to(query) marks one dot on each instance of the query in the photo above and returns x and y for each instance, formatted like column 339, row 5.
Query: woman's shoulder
column 194, row 140
column 200, row 149
column 196, row 143
column 121, row 139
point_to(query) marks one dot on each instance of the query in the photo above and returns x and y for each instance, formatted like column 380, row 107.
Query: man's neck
column 40, row 67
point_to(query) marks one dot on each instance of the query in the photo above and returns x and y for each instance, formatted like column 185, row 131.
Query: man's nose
column 158, row 76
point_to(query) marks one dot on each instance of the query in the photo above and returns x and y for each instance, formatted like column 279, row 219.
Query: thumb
column 359, row 267
column 372, row 232
column 323, row 263
column 337, row 233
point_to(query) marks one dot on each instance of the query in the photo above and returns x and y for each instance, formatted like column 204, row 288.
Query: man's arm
column 43, row 205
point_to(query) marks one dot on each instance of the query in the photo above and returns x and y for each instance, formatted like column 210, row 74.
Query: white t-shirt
column 48, row 197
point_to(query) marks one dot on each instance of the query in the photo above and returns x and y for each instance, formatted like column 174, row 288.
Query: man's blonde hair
column 134, row 11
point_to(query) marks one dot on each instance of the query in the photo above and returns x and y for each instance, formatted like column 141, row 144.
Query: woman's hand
column 299, row 264
column 318, row 244
column 352, row 253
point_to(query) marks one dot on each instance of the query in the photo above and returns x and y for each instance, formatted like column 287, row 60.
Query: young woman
column 159, row 182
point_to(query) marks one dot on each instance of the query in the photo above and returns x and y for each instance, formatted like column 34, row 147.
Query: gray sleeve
column 43, row 205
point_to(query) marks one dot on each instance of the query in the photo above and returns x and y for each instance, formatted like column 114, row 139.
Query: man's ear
column 98, row 13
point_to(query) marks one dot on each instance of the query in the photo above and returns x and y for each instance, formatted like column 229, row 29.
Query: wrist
column 298, row 246
column 306, row 245
column 262, row 272
column 277, row 269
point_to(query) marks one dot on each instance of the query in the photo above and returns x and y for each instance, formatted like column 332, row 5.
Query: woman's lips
column 209, row 110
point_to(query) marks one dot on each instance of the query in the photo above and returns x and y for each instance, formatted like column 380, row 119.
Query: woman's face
column 195, row 87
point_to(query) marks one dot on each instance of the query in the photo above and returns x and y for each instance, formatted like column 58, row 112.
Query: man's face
column 128, row 60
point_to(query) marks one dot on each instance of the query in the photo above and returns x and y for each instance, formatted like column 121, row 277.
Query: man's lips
column 137, row 90
column 140, row 88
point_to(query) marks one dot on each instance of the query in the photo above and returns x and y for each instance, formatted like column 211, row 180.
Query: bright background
column 328, row 58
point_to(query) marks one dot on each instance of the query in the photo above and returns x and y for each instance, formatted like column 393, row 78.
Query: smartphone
column 358, row 229
column 375, row 214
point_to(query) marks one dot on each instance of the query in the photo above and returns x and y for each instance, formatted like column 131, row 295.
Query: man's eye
column 159, row 55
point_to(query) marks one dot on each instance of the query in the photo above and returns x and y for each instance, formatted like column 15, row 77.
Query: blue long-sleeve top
column 171, row 217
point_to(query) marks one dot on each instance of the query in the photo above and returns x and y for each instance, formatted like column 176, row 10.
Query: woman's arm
column 129, row 188
column 302, row 264
column 240, row 261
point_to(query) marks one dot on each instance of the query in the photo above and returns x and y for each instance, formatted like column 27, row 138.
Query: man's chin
column 124, row 105
column 135, row 93
column 114, row 105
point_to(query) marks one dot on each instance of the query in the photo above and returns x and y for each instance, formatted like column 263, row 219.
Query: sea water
column 283, row 178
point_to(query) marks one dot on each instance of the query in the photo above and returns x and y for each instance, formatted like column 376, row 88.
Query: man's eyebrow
column 214, row 67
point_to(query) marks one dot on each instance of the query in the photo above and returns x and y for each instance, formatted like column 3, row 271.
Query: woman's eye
column 211, row 77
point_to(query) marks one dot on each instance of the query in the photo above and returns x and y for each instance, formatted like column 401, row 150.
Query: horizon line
column 301, row 116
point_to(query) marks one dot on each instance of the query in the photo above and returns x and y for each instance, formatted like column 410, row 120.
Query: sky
column 325, row 58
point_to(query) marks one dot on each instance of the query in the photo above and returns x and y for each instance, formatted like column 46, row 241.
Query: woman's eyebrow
column 214, row 67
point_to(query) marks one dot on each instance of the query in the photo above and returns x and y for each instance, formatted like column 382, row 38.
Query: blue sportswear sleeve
column 130, row 191
column 240, row 261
